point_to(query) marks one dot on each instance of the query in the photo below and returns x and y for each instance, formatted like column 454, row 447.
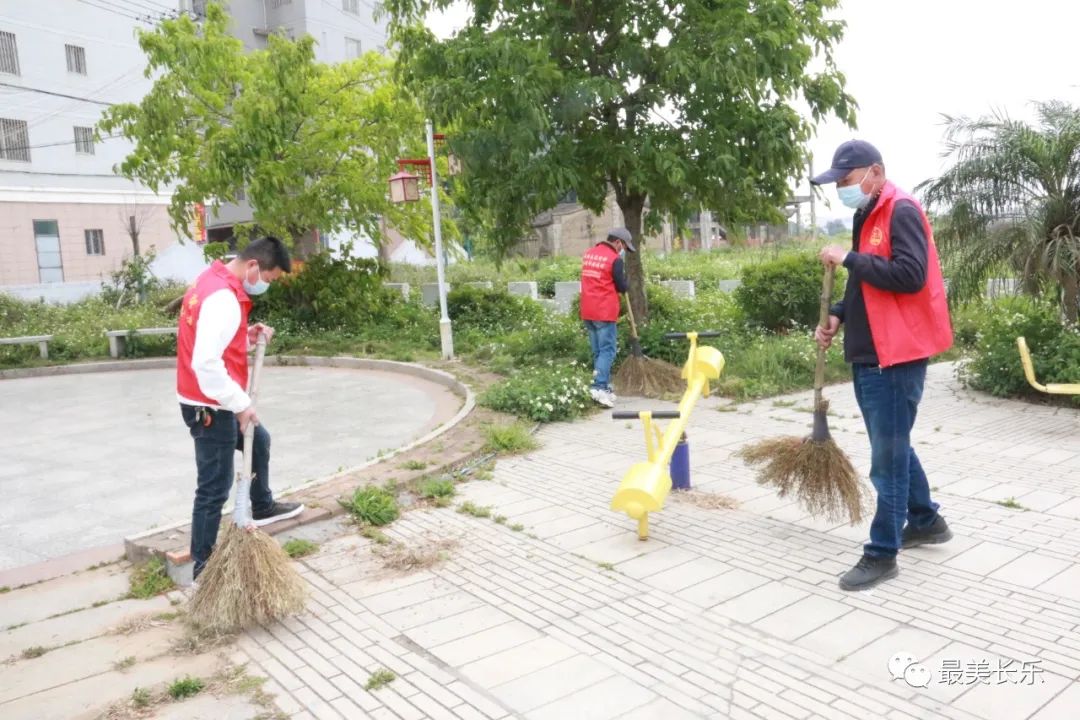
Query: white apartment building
column 64, row 213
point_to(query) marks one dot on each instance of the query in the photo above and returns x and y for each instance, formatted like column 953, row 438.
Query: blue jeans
column 602, row 342
column 215, row 448
column 889, row 400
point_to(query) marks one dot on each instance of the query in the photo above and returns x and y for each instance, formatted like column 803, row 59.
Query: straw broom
column 815, row 469
column 645, row 377
column 249, row 580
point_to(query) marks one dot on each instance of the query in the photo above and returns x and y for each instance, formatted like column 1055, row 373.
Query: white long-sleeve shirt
column 219, row 319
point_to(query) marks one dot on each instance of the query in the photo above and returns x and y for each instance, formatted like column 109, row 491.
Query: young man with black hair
column 211, row 384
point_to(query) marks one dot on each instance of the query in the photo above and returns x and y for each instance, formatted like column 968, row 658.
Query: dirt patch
column 704, row 500
column 416, row 555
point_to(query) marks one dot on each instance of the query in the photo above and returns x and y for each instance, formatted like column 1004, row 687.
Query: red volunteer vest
column 905, row 326
column 599, row 299
column 214, row 278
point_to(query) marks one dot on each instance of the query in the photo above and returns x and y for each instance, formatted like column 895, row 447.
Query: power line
column 114, row 9
column 56, row 94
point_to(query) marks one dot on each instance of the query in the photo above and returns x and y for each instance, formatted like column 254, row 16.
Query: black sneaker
column 937, row 533
column 868, row 572
column 278, row 511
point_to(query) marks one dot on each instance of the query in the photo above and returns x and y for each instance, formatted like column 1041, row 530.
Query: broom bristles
column 645, row 377
column 248, row 581
column 818, row 473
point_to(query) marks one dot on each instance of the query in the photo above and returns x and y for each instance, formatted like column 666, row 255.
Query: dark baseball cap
column 852, row 154
column 623, row 234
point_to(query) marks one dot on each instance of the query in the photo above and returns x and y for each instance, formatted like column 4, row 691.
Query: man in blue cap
column 896, row 318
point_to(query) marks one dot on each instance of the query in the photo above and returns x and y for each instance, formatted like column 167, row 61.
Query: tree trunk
column 632, row 207
column 383, row 245
column 1070, row 298
column 133, row 231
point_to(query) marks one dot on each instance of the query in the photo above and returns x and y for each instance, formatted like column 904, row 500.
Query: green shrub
column 372, row 505
column 545, row 394
column 994, row 365
column 328, row 293
column 784, row 293
column 438, row 490
column 548, row 337
column 491, row 311
column 767, row 365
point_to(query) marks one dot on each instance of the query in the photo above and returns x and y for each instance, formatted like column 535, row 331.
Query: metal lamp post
column 404, row 187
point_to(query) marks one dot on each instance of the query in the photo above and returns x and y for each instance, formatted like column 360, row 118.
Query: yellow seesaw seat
column 646, row 484
column 1029, row 372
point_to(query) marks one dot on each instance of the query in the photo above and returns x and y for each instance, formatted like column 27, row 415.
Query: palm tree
column 1011, row 201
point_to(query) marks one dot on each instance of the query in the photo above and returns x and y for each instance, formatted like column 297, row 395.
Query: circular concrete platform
column 87, row 459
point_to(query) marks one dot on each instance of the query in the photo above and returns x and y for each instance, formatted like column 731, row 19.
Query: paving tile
column 608, row 699
column 483, row 644
column 552, row 683
column 802, row 617
column 1066, row 584
column 516, row 662
column 686, row 574
column 847, row 634
column 1030, row 570
column 984, row 558
column 759, row 602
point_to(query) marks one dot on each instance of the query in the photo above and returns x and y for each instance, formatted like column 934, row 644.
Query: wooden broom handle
column 823, row 321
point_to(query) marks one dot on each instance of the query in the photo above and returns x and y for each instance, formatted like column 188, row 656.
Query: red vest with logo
column 216, row 277
column 599, row 298
column 905, row 326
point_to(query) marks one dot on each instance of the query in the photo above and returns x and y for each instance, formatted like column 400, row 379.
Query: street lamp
column 404, row 187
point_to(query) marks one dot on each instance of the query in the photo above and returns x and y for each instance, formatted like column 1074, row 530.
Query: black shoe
column 938, row 532
column 278, row 511
column 868, row 572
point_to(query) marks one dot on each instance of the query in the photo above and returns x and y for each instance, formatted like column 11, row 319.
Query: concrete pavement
column 89, row 459
column 721, row 614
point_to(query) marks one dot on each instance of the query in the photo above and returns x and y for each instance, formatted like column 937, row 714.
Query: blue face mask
column 852, row 196
column 258, row 287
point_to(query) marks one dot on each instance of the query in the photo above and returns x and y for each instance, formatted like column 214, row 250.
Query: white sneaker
column 602, row 397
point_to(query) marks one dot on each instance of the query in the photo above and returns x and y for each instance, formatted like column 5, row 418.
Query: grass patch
column 141, row 697
column 438, row 491
column 166, row 616
column 125, row 663
column 1010, row 503
column 185, row 688
column 509, row 439
column 380, row 679
column 477, row 511
column 500, row 519
column 375, row 535
column 298, row 548
column 5, row 589
column 34, row 652
column 414, row 465
column 150, row 579
column 517, row 527
column 372, row 506
column 606, row 566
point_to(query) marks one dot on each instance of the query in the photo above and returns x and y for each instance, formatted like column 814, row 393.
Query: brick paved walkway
column 723, row 613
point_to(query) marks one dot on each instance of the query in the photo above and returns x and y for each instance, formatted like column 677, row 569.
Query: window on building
column 76, row 59
column 9, row 54
column 351, row 6
column 47, row 241
column 95, row 242
column 14, row 140
column 278, row 3
column 84, row 140
column 352, row 47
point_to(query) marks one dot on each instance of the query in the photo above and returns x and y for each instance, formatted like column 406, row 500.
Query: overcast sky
column 907, row 63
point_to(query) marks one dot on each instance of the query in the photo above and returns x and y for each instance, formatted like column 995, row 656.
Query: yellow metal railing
column 646, row 485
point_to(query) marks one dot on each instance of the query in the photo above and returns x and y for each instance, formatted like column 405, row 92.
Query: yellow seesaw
column 1029, row 372
column 646, row 485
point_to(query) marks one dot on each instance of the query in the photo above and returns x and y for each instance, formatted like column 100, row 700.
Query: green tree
column 836, row 227
column 1011, row 202
column 311, row 145
column 674, row 105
